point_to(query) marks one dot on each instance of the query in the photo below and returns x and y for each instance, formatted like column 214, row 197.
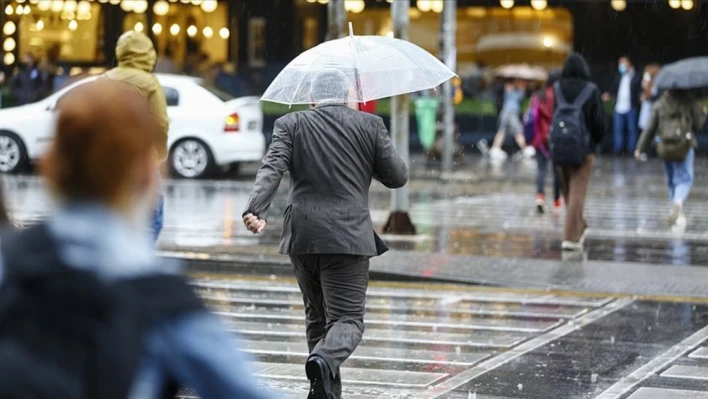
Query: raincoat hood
column 575, row 67
column 135, row 50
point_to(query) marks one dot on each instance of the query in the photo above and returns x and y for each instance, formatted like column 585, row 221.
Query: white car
column 208, row 129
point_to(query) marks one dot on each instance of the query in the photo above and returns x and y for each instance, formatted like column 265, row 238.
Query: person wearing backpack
column 541, row 115
column 86, row 310
column 579, row 123
column 675, row 120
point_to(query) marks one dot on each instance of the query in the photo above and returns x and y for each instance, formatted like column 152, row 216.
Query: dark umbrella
column 691, row 73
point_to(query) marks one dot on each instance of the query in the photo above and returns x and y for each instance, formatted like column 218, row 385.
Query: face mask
column 622, row 69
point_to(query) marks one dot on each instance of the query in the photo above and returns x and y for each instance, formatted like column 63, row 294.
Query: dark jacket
column 635, row 88
column 332, row 153
column 575, row 75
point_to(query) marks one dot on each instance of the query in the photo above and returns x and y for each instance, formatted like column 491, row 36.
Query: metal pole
column 449, row 30
column 336, row 17
column 399, row 221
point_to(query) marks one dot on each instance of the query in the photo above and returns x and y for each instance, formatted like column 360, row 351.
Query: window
column 256, row 42
column 172, row 96
column 222, row 95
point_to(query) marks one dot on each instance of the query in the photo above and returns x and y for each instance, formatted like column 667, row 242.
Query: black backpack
column 66, row 334
column 569, row 137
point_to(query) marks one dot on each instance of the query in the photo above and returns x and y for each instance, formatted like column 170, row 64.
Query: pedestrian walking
column 28, row 82
column 332, row 153
column 675, row 120
column 649, row 94
column 510, row 120
column 87, row 310
column 626, row 93
column 578, row 126
column 136, row 62
column 540, row 117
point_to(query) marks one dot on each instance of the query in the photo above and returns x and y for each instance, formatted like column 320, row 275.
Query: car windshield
column 222, row 95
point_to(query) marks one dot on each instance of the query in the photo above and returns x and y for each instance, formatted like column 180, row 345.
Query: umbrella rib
column 357, row 77
column 427, row 77
column 309, row 65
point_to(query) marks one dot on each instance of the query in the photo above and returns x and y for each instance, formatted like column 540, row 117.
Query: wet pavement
column 449, row 341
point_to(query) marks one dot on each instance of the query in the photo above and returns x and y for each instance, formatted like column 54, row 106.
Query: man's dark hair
column 330, row 85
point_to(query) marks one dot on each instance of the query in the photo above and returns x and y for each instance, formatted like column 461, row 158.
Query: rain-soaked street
column 480, row 303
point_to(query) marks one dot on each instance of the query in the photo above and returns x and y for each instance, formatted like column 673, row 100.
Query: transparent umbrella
column 359, row 69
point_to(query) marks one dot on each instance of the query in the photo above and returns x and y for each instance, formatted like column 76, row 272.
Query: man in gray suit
column 332, row 153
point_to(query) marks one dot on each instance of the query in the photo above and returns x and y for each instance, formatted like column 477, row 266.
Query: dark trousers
column 575, row 182
column 626, row 121
column 541, row 175
column 334, row 291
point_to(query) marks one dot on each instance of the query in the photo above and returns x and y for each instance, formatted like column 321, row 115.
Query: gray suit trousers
column 334, row 291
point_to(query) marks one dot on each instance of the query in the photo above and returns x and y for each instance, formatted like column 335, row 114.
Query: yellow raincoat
column 136, row 61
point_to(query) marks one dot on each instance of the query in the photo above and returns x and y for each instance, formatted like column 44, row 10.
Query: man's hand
column 254, row 224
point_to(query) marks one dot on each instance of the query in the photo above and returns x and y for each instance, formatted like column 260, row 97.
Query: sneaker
column 540, row 204
column 497, row 154
column 676, row 212
column 529, row 152
column 558, row 204
column 681, row 221
column 571, row 246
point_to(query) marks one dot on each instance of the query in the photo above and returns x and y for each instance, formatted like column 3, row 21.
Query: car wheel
column 13, row 155
column 191, row 159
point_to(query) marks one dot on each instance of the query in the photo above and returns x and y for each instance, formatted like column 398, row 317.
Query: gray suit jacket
column 332, row 153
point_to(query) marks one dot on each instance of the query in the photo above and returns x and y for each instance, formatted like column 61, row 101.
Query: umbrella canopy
column 691, row 73
column 359, row 69
column 521, row 71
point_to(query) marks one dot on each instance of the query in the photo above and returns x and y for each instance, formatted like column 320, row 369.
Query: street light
column 355, row 6
column 174, row 30
column 424, row 5
column 209, row 6
column 161, row 7
column 9, row 59
column 687, row 4
column 140, row 6
column 126, row 6
column 192, row 31
column 208, row 32
column 506, row 3
column 618, row 5
column 157, row 28
column 437, row 6
column 139, row 27
column 224, row 33
column 9, row 28
column 548, row 42
column 9, row 10
column 539, row 5
column 73, row 25
column 675, row 4
column 57, row 5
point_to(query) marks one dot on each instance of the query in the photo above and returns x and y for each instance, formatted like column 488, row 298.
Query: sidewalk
column 603, row 278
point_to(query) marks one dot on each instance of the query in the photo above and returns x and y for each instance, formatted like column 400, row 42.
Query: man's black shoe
column 320, row 378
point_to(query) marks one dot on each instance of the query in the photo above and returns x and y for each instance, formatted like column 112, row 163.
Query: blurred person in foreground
column 136, row 62
column 86, row 310
column 332, row 153
column 540, row 113
column 675, row 120
column 578, row 126
column 626, row 92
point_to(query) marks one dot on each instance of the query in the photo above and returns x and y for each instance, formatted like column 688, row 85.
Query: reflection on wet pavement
column 492, row 217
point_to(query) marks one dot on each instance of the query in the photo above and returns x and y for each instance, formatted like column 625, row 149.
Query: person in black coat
column 627, row 91
column 575, row 180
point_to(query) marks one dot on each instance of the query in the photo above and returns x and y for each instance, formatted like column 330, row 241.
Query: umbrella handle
column 351, row 29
